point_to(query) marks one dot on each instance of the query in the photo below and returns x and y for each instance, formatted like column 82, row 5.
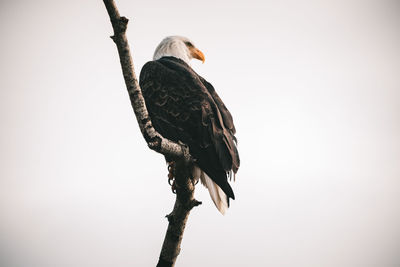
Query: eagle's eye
column 189, row 44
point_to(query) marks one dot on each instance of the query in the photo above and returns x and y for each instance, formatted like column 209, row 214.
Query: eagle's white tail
column 217, row 195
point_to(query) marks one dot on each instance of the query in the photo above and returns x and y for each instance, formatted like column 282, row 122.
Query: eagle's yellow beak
column 196, row 53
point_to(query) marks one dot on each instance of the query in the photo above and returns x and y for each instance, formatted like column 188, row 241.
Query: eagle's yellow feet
column 171, row 177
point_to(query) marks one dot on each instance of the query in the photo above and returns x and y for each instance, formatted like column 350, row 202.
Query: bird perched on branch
column 184, row 107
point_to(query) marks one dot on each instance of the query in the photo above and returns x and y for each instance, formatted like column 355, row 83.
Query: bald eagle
column 184, row 107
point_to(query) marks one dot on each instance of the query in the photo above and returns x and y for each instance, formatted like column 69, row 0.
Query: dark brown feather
column 184, row 107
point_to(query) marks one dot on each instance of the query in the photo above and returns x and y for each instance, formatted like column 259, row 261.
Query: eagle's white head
column 179, row 47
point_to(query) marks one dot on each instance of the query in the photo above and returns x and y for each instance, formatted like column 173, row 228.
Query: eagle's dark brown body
column 185, row 107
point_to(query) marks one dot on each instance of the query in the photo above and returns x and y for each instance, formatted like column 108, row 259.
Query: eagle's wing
column 182, row 108
column 226, row 115
column 227, row 119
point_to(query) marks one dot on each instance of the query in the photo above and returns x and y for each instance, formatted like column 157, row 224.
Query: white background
column 314, row 90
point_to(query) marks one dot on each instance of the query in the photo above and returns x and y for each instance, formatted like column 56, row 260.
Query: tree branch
column 154, row 140
column 183, row 166
column 178, row 217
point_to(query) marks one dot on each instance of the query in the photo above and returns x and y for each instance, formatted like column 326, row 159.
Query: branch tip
column 124, row 20
column 170, row 218
column 194, row 203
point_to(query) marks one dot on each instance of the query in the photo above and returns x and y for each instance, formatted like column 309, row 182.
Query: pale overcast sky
column 314, row 88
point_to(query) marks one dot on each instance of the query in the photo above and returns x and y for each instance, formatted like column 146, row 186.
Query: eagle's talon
column 171, row 178
column 194, row 180
column 173, row 187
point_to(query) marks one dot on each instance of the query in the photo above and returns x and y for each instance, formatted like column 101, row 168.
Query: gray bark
column 154, row 140
column 179, row 152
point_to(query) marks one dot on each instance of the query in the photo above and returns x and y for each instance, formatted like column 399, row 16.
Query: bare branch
column 178, row 217
column 154, row 140
column 179, row 152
